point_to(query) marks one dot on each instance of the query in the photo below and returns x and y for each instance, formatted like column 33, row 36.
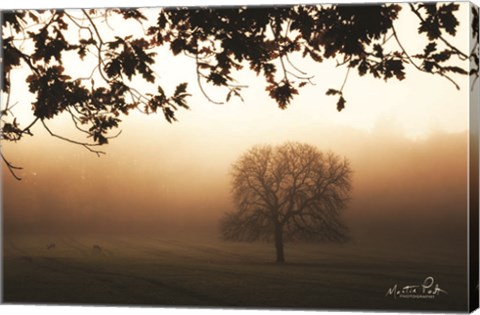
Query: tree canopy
column 222, row 41
column 288, row 192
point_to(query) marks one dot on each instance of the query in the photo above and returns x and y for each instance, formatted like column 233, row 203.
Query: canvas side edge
column 473, row 168
column 1, row 171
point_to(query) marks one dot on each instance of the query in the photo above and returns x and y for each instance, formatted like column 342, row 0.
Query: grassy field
column 165, row 271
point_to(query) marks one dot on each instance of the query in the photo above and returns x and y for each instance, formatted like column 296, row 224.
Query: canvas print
column 285, row 157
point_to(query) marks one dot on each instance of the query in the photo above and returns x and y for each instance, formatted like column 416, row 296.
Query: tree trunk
column 279, row 243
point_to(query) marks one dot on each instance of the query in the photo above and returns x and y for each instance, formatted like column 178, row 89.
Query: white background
column 74, row 310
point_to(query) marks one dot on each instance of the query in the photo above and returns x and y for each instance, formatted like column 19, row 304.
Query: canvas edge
column 2, row 300
column 473, row 186
column 473, row 178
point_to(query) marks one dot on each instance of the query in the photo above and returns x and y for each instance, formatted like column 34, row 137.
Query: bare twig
column 27, row 129
column 12, row 168
column 75, row 120
column 87, row 146
column 99, row 47
column 418, row 67
column 199, row 80
column 345, row 80
column 294, row 67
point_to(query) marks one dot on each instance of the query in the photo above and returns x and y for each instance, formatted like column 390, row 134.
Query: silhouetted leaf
column 181, row 89
column 333, row 92
column 341, row 104
column 282, row 93
column 455, row 69
column 431, row 47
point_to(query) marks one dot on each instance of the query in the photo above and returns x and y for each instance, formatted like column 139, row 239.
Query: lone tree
column 120, row 62
column 288, row 192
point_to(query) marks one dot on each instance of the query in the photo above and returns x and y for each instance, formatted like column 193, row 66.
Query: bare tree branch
column 86, row 145
column 289, row 192
column 12, row 168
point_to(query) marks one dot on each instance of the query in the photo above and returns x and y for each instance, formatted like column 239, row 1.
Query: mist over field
column 155, row 218
column 404, row 191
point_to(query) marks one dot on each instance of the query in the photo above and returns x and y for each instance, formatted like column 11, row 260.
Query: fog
column 404, row 190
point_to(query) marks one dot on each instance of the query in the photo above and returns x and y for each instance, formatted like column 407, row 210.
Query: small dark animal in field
column 97, row 248
column 51, row 246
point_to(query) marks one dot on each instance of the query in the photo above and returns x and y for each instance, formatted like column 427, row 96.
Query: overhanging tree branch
column 461, row 54
column 86, row 145
column 418, row 67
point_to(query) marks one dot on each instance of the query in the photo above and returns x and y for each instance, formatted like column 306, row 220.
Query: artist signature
column 427, row 290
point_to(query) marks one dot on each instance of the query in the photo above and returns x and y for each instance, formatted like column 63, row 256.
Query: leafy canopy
column 361, row 38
